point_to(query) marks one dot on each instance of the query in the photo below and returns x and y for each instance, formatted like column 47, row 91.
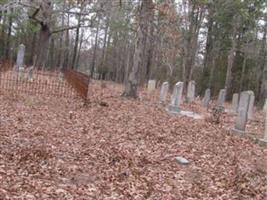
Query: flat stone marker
column 191, row 89
column 241, row 120
column 176, row 98
column 235, row 102
column 182, row 160
column 164, row 92
column 151, row 85
column 206, row 99
column 221, row 98
column 251, row 104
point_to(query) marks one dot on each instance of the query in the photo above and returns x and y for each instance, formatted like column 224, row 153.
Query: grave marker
column 176, row 98
column 164, row 92
column 191, row 88
column 151, row 85
column 206, row 99
column 235, row 102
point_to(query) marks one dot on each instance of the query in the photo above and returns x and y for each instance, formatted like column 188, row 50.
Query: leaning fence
column 38, row 83
column 79, row 81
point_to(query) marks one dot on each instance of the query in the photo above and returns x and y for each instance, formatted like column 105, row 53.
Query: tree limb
column 69, row 28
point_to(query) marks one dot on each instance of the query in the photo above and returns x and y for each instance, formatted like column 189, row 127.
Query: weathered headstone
column 176, row 98
column 30, row 73
column 265, row 106
column 242, row 116
column 221, row 98
column 206, row 99
column 235, row 102
column 264, row 140
column 163, row 92
column 20, row 60
column 20, row 56
column 191, row 88
column 151, row 85
column 251, row 104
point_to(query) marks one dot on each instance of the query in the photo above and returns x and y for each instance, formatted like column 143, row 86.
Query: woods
column 218, row 44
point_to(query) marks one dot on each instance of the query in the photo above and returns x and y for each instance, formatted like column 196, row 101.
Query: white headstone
column 191, row 89
column 20, row 56
column 176, row 98
column 242, row 116
column 164, row 92
column 221, row 98
column 235, row 102
column 251, row 104
column 265, row 106
column 151, row 85
column 206, row 99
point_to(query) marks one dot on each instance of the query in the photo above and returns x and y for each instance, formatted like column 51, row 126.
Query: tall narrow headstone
column 191, row 88
column 251, row 104
column 176, row 98
column 265, row 106
column 221, row 98
column 20, row 56
column 206, row 99
column 264, row 140
column 164, row 92
column 242, row 116
column 151, row 85
column 235, row 102
column 20, row 60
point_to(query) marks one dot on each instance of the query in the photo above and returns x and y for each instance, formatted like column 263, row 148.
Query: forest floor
column 118, row 148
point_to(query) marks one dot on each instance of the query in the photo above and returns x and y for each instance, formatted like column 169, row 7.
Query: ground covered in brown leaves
column 116, row 148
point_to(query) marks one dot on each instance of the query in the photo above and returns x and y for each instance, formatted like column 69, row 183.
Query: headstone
column 251, row 104
column 221, row 98
column 163, row 92
column 265, row 106
column 191, row 88
column 242, row 116
column 20, row 56
column 235, row 102
column 264, row 140
column 30, row 73
column 206, row 99
column 176, row 98
column 151, row 85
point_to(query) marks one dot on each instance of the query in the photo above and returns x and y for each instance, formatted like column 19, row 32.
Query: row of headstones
column 176, row 98
column 242, row 105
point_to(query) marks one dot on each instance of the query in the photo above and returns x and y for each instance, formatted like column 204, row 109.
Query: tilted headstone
column 164, row 92
column 176, row 98
column 242, row 116
column 221, row 98
column 251, row 104
column 235, row 102
column 206, row 99
column 191, row 88
column 151, row 85
column 20, row 56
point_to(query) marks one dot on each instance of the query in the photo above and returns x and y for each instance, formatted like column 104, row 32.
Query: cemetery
column 138, row 100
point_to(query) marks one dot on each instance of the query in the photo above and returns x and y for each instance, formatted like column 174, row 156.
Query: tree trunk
column 95, row 48
column 76, row 42
column 8, row 40
column 230, row 61
column 263, row 63
column 131, row 85
column 43, row 44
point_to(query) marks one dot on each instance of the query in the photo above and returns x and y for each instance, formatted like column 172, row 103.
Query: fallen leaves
column 61, row 149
